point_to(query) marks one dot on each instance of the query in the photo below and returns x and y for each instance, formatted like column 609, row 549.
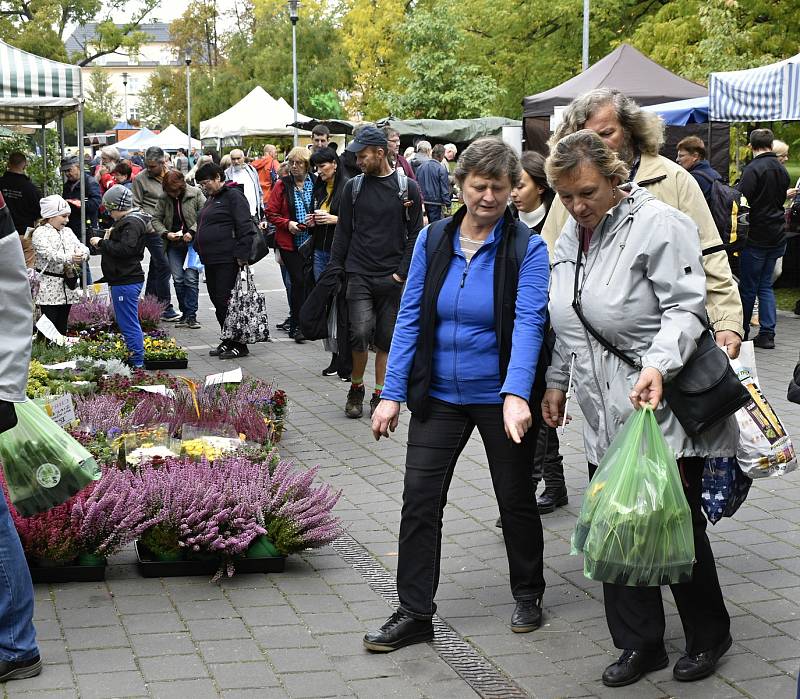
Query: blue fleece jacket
column 466, row 361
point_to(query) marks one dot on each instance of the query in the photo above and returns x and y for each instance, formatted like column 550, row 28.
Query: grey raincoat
column 643, row 288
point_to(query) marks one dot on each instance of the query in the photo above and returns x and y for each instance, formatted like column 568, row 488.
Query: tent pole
column 83, row 239
column 61, row 135
column 44, row 158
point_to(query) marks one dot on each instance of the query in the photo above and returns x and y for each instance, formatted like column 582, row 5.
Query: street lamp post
column 585, row 52
column 188, row 60
column 293, row 5
column 125, row 88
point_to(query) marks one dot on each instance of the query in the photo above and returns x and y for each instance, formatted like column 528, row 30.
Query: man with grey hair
column 246, row 175
column 636, row 136
column 146, row 190
column 422, row 152
column 434, row 184
column 109, row 157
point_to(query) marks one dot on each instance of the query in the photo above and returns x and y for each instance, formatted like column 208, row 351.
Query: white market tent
column 141, row 140
column 768, row 93
column 173, row 138
column 256, row 114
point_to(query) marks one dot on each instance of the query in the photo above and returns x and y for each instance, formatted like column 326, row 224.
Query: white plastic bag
column 764, row 449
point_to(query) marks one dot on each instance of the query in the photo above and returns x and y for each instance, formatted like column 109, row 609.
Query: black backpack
column 731, row 214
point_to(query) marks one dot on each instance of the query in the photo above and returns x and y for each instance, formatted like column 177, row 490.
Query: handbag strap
column 576, row 305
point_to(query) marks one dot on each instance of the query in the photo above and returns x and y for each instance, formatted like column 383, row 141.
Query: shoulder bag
column 704, row 393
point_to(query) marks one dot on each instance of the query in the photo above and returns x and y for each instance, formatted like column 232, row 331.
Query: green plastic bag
column 43, row 465
column 635, row 527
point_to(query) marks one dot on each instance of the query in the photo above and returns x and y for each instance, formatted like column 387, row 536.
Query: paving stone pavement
column 298, row 634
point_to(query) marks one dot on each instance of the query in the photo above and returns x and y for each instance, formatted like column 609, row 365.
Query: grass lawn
column 787, row 298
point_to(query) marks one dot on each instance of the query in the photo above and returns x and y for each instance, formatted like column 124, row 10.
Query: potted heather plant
column 150, row 312
column 91, row 312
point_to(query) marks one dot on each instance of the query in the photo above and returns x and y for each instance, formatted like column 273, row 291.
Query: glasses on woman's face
column 297, row 163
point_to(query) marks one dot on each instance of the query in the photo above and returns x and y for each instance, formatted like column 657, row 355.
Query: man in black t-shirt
column 22, row 198
column 374, row 240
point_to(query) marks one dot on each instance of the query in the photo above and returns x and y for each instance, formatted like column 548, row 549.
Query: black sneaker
column 398, row 631
column 218, row 350
column 298, row 336
column 234, row 353
column 354, row 407
column 20, row 669
column 191, row 322
column 170, row 317
column 763, row 341
column 373, row 402
column 527, row 615
column 181, row 322
column 330, row 370
column 285, row 325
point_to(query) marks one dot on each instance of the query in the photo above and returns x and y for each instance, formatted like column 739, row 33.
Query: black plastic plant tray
column 71, row 573
column 155, row 364
column 150, row 567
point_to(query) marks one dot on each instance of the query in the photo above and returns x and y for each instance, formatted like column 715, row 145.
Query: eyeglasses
column 296, row 162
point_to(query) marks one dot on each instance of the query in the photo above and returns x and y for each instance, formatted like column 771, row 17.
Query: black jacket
column 22, row 198
column 72, row 190
column 123, row 250
column 764, row 182
column 323, row 235
column 225, row 228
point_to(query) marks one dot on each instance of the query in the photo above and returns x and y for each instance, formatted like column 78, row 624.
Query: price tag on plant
column 60, row 409
column 45, row 326
column 233, row 376
column 160, row 389
column 61, row 365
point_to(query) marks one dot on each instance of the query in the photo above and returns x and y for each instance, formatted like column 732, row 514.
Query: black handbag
column 260, row 247
column 704, row 393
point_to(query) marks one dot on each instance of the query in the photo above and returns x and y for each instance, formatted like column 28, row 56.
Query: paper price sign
column 61, row 409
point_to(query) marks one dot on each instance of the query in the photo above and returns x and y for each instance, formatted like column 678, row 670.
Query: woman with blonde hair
column 58, row 256
column 288, row 209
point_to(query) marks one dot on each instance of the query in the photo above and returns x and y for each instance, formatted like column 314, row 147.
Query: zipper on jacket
column 616, row 262
column 464, row 273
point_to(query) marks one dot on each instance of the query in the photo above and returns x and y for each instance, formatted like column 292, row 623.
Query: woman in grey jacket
column 641, row 285
column 176, row 219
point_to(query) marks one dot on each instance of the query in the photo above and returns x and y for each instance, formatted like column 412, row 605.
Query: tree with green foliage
column 100, row 95
column 439, row 82
column 31, row 145
column 38, row 26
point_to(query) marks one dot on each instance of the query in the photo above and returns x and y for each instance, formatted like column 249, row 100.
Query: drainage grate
column 472, row 667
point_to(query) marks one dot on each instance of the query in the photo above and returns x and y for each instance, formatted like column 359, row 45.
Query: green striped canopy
column 35, row 90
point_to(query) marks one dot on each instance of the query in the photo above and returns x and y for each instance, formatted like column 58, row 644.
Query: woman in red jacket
column 289, row 206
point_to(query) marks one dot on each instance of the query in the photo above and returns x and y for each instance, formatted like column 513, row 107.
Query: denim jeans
column 125, row 299
column 287, row 283
column 434, row 212
column 433, row 450
column 17, row 635
column 321, row 260
column 186, row 280
column 755, row 281
column 158, row 271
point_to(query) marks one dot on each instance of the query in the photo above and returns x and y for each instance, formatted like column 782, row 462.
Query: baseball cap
column 68, row 162
column 368, row 136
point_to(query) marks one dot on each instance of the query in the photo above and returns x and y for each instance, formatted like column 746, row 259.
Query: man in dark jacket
column 122, row 250
column 764, row 182
column 22, row 198
column 71, row 170
column 435, row 184
column 692, row 157
column 374, row 240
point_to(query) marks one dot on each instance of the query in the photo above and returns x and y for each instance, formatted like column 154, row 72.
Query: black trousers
column 58, row 316
column 295, row 265
column 548, row 464
column 433, row 449
column 635, row 615
column 220, row 280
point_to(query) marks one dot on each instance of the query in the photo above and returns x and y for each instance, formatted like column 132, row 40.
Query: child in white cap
column 59, row 257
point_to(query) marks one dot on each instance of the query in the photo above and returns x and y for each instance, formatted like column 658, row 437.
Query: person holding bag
column 224, row 242
column 627, row 273
column 176, row 219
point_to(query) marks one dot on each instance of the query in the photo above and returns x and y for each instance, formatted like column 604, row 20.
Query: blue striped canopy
column 769, row 93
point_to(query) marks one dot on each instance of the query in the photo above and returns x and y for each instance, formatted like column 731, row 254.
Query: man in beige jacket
column 637, row 135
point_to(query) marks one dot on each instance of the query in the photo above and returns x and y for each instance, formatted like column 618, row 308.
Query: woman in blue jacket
column 464, row 355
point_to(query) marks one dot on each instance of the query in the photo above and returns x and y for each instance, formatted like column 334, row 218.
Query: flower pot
column 201, row 556
column 91, row 559
column 150, row 567
column 59, row 572
column 262, row 547
column 155, row 364
column 168, row 555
